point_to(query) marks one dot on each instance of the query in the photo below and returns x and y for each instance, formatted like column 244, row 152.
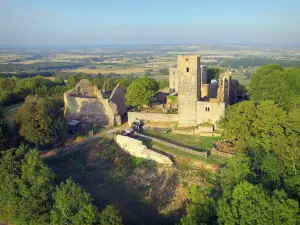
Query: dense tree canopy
column 25, row 190
column 28, row 196
column 110, row 215
column 3, row 132
column 72, row 206
column 272, row 82
column 41, row 120
column 141, row 92
column 14, row 89
column 249, row 204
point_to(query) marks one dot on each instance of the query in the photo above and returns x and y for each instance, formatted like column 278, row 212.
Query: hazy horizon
column 77, row 23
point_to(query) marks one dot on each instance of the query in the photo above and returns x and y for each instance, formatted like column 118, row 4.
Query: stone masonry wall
column 136, row 148
column 118, row 97
column 173, row 79
column 188, row 89
column 216, row 111
column 89, row 110
column 153, row 117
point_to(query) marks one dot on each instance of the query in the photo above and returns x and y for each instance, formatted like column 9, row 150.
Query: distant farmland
column 111, row 70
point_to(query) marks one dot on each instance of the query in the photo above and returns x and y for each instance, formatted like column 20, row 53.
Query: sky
column 95, row 22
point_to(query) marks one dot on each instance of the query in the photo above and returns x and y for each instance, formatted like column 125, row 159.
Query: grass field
column 196, row 142
column 213, row 159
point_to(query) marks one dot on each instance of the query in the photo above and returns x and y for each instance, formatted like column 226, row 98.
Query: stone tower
column 189, row 84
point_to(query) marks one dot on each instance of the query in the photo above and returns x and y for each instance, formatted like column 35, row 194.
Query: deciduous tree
column 141, row 92
column 41, row 120
column 72, row 205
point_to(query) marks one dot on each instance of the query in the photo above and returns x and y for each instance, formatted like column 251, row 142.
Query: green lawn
column 11, row 110
column 193, row 141
column 214, row 159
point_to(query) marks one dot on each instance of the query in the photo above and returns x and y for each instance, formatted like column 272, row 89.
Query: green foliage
column 200, row 208
column 173, row 99
column 274, row 83
column 163, row 83
column 141, row 92
column 13, row 90
column 25, row 190
column 41, row 120
column 3, row 133
column 110, row 215
column 72, row 205
column 35, row 187
column 163, row 71
column 212, row 73
column 256, row 124
column 72, row 81
column 237, row 170
column 249, row 204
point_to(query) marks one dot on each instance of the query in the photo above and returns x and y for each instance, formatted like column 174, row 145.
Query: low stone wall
column 207, row 131
column 136, row 148
column 214, row 151
column 153, row 117
column 188, row 150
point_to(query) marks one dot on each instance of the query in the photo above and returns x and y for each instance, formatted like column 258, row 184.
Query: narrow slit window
column 207, row 108
column 187, row 69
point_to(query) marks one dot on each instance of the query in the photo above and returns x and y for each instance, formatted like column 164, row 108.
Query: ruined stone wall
column 205, row 90
column 213, row 90
column 85, row 86
column 153, row 117
column 188, row 89
column 173, row 79
column 215, row 112
column 136, row 148
column 203, row 74
column 90, row 110
column 118, row 97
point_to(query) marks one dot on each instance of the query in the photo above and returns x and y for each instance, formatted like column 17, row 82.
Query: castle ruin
column 198, row 101
column 87, row 104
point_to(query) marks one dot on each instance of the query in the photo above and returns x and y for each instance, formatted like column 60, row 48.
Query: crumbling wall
column 90, row 110
column 136, row 148
column 118, row 97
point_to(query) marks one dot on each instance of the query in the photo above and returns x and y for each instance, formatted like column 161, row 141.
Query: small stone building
column 87, row 104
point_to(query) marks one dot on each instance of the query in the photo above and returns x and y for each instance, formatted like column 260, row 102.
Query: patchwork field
column 111, row 70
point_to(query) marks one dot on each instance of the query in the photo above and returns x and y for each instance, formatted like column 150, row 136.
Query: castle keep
column 198, row 101
column 87, row 104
